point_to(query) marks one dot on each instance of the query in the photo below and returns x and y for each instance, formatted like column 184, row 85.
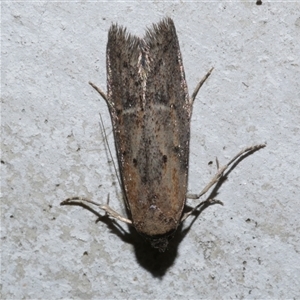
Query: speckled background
column 52, row 148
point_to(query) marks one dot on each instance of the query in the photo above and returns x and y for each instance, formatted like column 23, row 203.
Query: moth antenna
column 110, row 154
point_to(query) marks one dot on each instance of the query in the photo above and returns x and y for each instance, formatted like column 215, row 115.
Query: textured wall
column 52, row 148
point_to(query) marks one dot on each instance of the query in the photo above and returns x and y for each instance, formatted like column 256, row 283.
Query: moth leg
column 102, row 94
column 217, row 177
column 199, row 85
column 106, row 208
column 207, row 202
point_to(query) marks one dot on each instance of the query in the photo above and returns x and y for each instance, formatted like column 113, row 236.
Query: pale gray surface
column 52, row 149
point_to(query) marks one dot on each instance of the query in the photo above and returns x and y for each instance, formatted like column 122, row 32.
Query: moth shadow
column 149, row 258
column 155, row 262
column 114, row 227
column 213, row 194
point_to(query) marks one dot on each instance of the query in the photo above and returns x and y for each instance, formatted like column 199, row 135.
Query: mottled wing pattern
column 150, row 111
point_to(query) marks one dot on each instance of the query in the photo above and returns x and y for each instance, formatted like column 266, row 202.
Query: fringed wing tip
column 120, row 32
column 117, row 32
column 166, row 25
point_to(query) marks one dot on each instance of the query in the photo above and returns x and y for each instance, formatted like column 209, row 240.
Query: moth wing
column 150, row 111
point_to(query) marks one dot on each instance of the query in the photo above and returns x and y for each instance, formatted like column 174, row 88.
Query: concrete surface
column 52, row 148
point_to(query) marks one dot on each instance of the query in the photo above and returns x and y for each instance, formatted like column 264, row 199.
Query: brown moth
column 150, row 110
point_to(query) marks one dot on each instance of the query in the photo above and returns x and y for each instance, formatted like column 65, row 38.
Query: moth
column 150, row 110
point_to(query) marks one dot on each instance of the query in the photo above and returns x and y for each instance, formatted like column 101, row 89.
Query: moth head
column 160, row 242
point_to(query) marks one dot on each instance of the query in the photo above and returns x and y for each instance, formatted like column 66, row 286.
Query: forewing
column 150, row 110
